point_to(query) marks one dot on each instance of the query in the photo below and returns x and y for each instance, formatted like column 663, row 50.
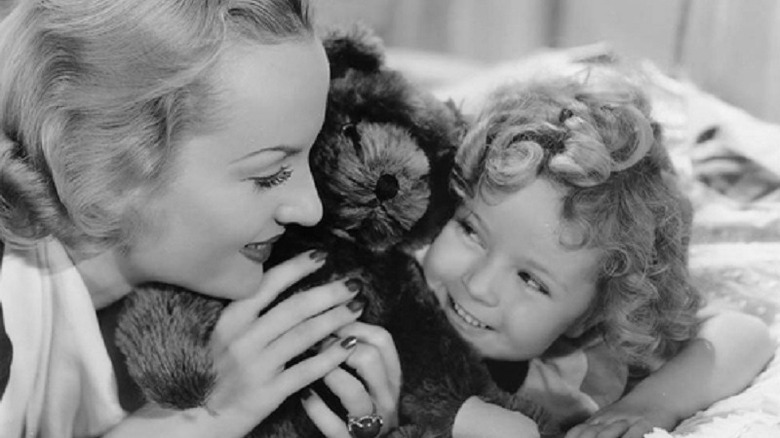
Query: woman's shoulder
column 6, row 354
column 6, row 349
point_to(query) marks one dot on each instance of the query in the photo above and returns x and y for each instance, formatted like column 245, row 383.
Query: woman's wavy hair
column 592, row 135
column 95, row 96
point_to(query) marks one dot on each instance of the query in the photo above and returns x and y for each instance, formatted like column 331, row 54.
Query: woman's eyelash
column 533, row 283
column 465, row 226
column 468, row 230
column 278, row 178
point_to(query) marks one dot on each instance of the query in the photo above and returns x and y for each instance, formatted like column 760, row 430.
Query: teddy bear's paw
column 548, row 427
column 163, row 333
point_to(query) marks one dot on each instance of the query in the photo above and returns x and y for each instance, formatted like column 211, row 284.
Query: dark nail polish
column 318, row 255
column 307, row 393
column 357, row 304
column 354, row 285
column 349, row 343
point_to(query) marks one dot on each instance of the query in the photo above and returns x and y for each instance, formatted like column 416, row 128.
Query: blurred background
column 730, row 48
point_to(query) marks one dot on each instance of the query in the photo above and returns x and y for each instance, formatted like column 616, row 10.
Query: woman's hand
column 250, row 352
column 375, row 390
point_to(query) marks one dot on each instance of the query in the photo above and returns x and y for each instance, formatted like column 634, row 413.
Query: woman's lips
column 259, row 252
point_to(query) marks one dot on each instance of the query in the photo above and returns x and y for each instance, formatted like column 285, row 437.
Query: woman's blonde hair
column 95, row 95
column 594, row 138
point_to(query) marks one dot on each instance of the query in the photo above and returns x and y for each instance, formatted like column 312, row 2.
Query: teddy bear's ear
column 354, row 48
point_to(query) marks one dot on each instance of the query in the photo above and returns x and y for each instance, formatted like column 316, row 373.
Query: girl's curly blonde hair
column 594, row 138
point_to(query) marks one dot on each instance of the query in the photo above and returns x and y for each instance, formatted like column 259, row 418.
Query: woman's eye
column 531, row 282
column 465, row 227
column 278, row 178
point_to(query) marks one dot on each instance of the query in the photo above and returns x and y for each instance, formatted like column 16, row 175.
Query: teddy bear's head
column 381, row 165
column 382, row 159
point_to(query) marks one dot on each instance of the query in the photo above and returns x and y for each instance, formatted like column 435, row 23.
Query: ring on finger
column 367, row 426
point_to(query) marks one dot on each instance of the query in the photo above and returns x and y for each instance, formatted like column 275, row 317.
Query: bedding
column 746, row 276
column 729, row 164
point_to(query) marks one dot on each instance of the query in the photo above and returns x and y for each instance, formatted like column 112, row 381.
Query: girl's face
column 235, row 188
column 504, row 279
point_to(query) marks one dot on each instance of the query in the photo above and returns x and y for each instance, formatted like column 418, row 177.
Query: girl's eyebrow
column 287, row 150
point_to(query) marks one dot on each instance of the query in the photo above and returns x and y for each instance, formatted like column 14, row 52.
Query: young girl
column 166, row 140
column 569, row 250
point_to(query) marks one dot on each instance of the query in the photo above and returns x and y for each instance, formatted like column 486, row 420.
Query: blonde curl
column 584, row 161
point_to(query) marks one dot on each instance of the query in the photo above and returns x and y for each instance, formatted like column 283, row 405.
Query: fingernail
column 349, row 342
column 307, row 393
column 357, row 304
column 318, row 255
column 354, row 285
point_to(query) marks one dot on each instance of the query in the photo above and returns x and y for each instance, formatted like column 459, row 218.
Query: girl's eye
column 278, row 178
column 531, row 282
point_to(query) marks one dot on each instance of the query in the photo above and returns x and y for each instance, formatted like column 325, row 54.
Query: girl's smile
column 504, row 277
column 463, row 316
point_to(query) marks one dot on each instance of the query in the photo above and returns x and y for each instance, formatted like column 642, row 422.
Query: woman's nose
column 479, row 281
column 302, row 205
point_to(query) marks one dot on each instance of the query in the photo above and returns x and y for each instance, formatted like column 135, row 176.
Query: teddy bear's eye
column 565, row 115
column 350, row 131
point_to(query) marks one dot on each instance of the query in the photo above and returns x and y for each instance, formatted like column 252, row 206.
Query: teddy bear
column 381, row 165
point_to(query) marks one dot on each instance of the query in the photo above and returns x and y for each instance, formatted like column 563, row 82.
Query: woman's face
column 235, row 188
column 503, row 277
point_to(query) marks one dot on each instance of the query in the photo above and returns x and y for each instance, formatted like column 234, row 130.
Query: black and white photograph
column 390, row 218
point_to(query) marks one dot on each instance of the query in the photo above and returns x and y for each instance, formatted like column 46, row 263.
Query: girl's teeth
column 467, row 317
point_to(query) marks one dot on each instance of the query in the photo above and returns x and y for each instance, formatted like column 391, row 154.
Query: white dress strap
column 61, row 382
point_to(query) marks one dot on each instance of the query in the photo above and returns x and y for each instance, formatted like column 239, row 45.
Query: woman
column 164, row 140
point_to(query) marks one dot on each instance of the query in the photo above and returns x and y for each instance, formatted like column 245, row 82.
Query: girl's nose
column 479, row 281
column 302, row 205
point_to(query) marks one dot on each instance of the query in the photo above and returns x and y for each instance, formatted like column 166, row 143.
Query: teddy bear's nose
column 386, row 187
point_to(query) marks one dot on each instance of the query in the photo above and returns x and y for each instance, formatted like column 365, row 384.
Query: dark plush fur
column 381, row 164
